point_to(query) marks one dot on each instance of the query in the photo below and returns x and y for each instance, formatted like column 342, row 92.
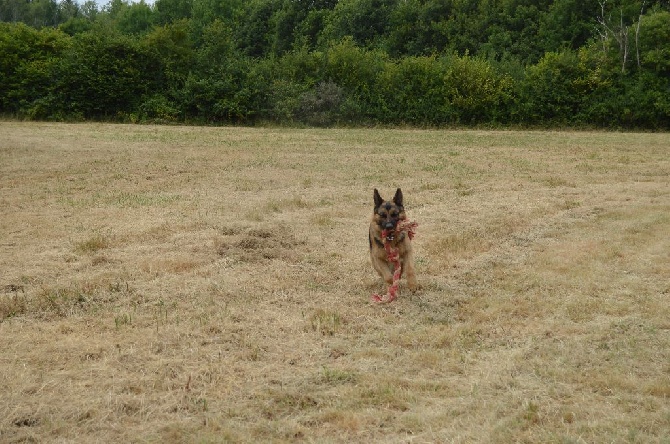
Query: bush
column 638, row 100
column 321, row 105
column 159, row 109
column 103, row 77
column 354, row 69
column 412, row 90
column 29, row 58
column 554, row 89
column 476, row 92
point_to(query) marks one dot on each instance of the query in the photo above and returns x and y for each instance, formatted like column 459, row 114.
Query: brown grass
column 181, row 284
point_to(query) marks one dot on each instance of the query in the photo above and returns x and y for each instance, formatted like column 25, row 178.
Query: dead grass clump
column 75, row 299
column 175, row 265
column 287, row 402
column 13, row 301
column 100, row 260
column 659, row 388
column 259, row 244
column 26, row 421
column 93, row 244
column 342, row 420
column 62, row 301
column 337, row 376
column 386, row 394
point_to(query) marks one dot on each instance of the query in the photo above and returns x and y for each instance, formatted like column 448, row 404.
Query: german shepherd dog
column 386, row 216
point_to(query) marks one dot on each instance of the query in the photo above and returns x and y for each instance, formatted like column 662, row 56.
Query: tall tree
column 366, row 21
column 170, row 11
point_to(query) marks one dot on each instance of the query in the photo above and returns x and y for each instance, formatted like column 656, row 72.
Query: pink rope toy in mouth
column 393, row 256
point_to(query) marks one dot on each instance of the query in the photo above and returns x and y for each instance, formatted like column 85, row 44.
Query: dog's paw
column 413, row 286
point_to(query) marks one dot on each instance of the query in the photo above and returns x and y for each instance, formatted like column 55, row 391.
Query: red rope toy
column 392, row 255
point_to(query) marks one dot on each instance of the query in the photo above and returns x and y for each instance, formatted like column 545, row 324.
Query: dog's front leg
column 384, row 269
column 410, row 273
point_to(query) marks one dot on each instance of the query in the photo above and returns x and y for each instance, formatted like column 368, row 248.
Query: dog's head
column 388, row 212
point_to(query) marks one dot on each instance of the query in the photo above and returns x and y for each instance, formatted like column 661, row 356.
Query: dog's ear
column 397, row 199
column 378, row 199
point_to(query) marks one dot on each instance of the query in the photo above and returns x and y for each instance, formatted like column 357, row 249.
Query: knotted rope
column 392, row 255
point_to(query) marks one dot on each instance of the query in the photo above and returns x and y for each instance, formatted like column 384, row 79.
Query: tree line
column 576, row 63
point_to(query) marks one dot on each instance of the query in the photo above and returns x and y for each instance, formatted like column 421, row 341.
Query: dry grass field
column 204, row 285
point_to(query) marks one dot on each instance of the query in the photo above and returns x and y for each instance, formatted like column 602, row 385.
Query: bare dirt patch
column 188, row 284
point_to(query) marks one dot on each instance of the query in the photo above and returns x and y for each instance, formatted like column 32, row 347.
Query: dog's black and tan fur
column 386, row 216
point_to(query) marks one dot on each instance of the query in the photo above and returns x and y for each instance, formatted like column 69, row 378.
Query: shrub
column 412, row 90
column 475, row 91
column 321, row 105
column 159, row 109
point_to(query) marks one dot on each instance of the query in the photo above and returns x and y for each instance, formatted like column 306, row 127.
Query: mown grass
column 186, row 284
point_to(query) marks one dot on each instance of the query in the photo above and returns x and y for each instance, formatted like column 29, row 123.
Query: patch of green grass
column 323, row 220
column 122, row 199
column 430, row 186
column 137, row 200
column 123, row 319
column 337, row 376
column 326, row 322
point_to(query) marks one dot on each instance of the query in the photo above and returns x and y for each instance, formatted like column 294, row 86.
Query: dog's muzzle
column 389, row 230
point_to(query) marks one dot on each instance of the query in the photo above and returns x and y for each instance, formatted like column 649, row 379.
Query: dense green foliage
column 324, row 62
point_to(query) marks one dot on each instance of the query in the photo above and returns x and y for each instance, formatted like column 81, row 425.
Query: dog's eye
column 394, row 214
column 382, row 214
